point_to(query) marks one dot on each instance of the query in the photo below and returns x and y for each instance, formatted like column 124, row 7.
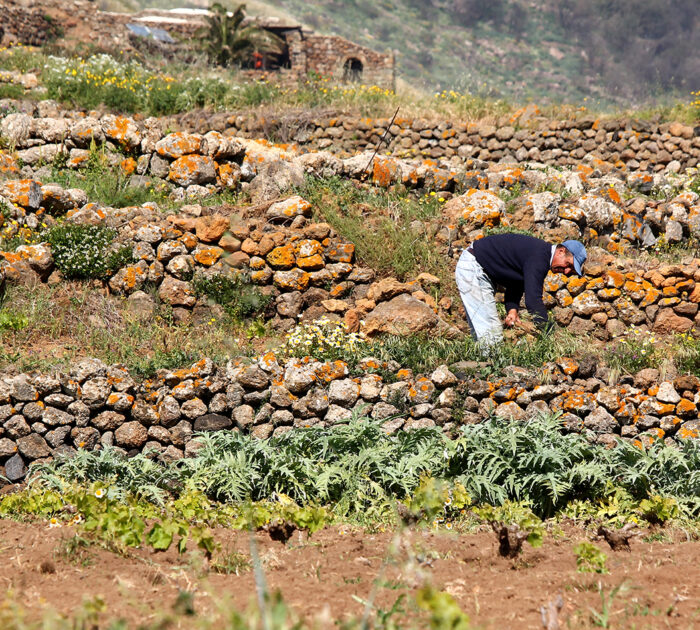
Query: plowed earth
column 319, row 576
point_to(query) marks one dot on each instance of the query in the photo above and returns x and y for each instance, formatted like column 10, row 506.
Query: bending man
column 519, row 264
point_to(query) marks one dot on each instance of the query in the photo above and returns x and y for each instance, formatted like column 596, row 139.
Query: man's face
column 563, row 261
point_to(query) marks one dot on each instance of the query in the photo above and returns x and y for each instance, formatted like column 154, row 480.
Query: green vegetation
column 107, row 183
column 85, row 251
column 227, row 41
column 370, row 218
column 81, row 322
column 325, row 340
column 422, row 353
column 239, row 298
column 360, row 470
column 590, row 559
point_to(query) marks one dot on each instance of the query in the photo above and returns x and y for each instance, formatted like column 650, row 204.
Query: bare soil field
column 329, row 576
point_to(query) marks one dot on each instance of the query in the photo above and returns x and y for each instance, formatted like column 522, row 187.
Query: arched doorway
column 352, row 70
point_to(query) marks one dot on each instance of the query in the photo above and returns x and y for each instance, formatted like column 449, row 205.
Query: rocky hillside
column 555, row 50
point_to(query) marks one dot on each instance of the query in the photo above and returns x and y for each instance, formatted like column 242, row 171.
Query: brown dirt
column 318, row 577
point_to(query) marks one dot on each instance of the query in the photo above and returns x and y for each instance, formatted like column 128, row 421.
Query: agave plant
column 228, row 41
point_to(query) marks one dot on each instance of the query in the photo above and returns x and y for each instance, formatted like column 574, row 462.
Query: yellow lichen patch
column 570, row 212
column 404, row 374
column 208, row 256
column 343, row 253
column 575, row 400
column 307, row 247
column 294, row 280
column 609, row 294
column 385, row 172
column 19, row 191
column 189, row 240
column 8, row 164
column 311, row 263
column 574, row 283
column 128, row 165
column 653, row 390
column 260, row 276
column 228, row 175
column 282, row 257
column 650, row 297
column 613, row 195
column 177, row 144
column 686, row 408
column 595, row 283
column 687, row 434
column 614, row 279
column 568, row 365
column 331, row 371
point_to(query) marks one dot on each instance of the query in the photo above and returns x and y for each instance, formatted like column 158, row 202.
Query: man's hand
column 512, row 318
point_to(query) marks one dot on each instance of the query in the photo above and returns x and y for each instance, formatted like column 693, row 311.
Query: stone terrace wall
column 637, row 145
column 93, row 405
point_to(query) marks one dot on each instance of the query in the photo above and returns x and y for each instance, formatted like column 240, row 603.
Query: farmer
column 519, row 263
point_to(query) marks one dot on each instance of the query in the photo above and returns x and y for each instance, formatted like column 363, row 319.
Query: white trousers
column 477, row 293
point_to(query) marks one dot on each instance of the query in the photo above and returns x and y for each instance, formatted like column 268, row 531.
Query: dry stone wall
column 634, row 144
column 94, row 405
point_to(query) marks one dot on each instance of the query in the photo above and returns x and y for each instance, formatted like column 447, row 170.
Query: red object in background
column 257, row 60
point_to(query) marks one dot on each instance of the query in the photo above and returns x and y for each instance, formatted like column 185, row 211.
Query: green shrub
column 590, row 559
column 10, row 320
column 83, row 251
column 635, row 351
column 239, row 298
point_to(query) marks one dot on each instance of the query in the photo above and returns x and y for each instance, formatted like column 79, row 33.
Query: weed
column 590, row 559
column 602, row 618
column 231, row 563
column 658, row 510
column 75, row 549
column 9, row 320
column 239, row 298
column 370, row 218
column 83, row 251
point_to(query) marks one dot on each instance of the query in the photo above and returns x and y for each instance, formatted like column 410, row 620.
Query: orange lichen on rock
column 282, row 257
column 331, row 371
column 342, row 253
column 208, row 256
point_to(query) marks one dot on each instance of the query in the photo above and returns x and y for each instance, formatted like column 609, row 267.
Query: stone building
column 35, row 22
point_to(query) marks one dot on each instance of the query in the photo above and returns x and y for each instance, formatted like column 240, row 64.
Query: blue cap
column 579, row 253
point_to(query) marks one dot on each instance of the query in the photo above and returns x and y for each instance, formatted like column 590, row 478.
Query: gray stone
column 17, row 427
column 298, row 378
column 212, row 422
column 336, row 413
column 181, row 433
column 108, row 420
column 33, row 446
column 15, row 470
column 57, row 437
column 666, row 394
column 600, row 421
column 168, row 411
column 131, row 435
column 253, row 377
column 282, row 417
column 7, row 448
column 85, row 437
column 343, row 392
column 244, row 415
column 95, row 392
column 193, row 408
column 78, row 410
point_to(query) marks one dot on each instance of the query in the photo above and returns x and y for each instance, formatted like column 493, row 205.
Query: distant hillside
column 546, row 50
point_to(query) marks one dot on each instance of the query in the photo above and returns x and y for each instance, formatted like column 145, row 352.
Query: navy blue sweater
column 519, row 264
